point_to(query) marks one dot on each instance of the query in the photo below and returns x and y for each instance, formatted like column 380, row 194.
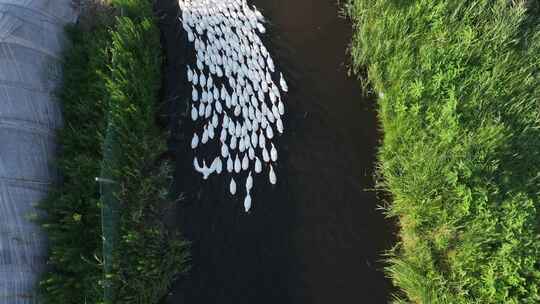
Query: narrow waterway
column 316, row 237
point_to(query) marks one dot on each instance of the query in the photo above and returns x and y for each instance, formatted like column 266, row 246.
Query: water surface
column 316, row 237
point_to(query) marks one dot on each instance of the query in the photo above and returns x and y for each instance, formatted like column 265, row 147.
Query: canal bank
column 459, row 156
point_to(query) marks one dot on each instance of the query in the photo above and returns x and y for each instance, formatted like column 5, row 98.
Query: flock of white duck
column 235, row 97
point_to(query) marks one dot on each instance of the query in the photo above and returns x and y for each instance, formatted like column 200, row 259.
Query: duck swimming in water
column 247, row 202
column 233, row 82
column 204, row 170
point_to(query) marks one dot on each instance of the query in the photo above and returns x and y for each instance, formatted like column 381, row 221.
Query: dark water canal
column 315, row 237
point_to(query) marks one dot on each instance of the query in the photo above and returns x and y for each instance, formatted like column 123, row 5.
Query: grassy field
column 112, row 74
column 459, row 98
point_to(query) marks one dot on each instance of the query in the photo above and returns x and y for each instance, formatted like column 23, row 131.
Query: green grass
column 146, row 259
column 73, row 222
column 461, row 148
column 111, row 80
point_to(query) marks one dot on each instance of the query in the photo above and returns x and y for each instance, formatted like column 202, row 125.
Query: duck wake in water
column 236, row 90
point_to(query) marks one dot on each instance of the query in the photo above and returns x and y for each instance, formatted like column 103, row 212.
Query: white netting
column 31, row 40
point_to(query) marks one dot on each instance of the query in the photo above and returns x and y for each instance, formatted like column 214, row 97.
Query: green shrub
column 111, row 81
column 146, row 258
column 72, row 209
column 459, row 89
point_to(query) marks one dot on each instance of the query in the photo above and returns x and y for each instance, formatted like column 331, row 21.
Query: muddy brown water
column 317, row 236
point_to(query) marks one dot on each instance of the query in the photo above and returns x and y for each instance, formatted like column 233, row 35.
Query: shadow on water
column 316, row 237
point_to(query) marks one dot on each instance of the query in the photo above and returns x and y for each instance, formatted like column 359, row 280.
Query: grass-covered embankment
column 109, row 97
column 460, row 156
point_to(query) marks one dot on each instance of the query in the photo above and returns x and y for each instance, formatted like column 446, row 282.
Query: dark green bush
column 146, row 258
column 111, row 80
column 72, row 209
column 459, row 105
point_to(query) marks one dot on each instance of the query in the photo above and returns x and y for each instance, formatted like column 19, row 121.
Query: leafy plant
column 72, row 209
column 111, row 80
column 459, row 109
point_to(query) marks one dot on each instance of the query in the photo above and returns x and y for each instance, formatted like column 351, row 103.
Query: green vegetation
column 459, row 107
column 111, row 80
column 73, row 222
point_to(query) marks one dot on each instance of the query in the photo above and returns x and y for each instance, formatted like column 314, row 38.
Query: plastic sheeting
column 31, row 41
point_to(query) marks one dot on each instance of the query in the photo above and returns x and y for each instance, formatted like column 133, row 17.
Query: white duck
column 237, row 164
column 217, row 165
column 266, row 157
column 245, row 162
column 247, row 202
column 230, row 164
column 204, row 139
column 204, row 170
column 273, row 153
column 249, row 182
column 232, row 187
column 258, row 165
column 194, row 141
column 194, row 94
column 194, row 113
column 283, row 83
column 272, row 176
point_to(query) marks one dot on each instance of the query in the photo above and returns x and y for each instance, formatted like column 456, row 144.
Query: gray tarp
column 31, row 39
